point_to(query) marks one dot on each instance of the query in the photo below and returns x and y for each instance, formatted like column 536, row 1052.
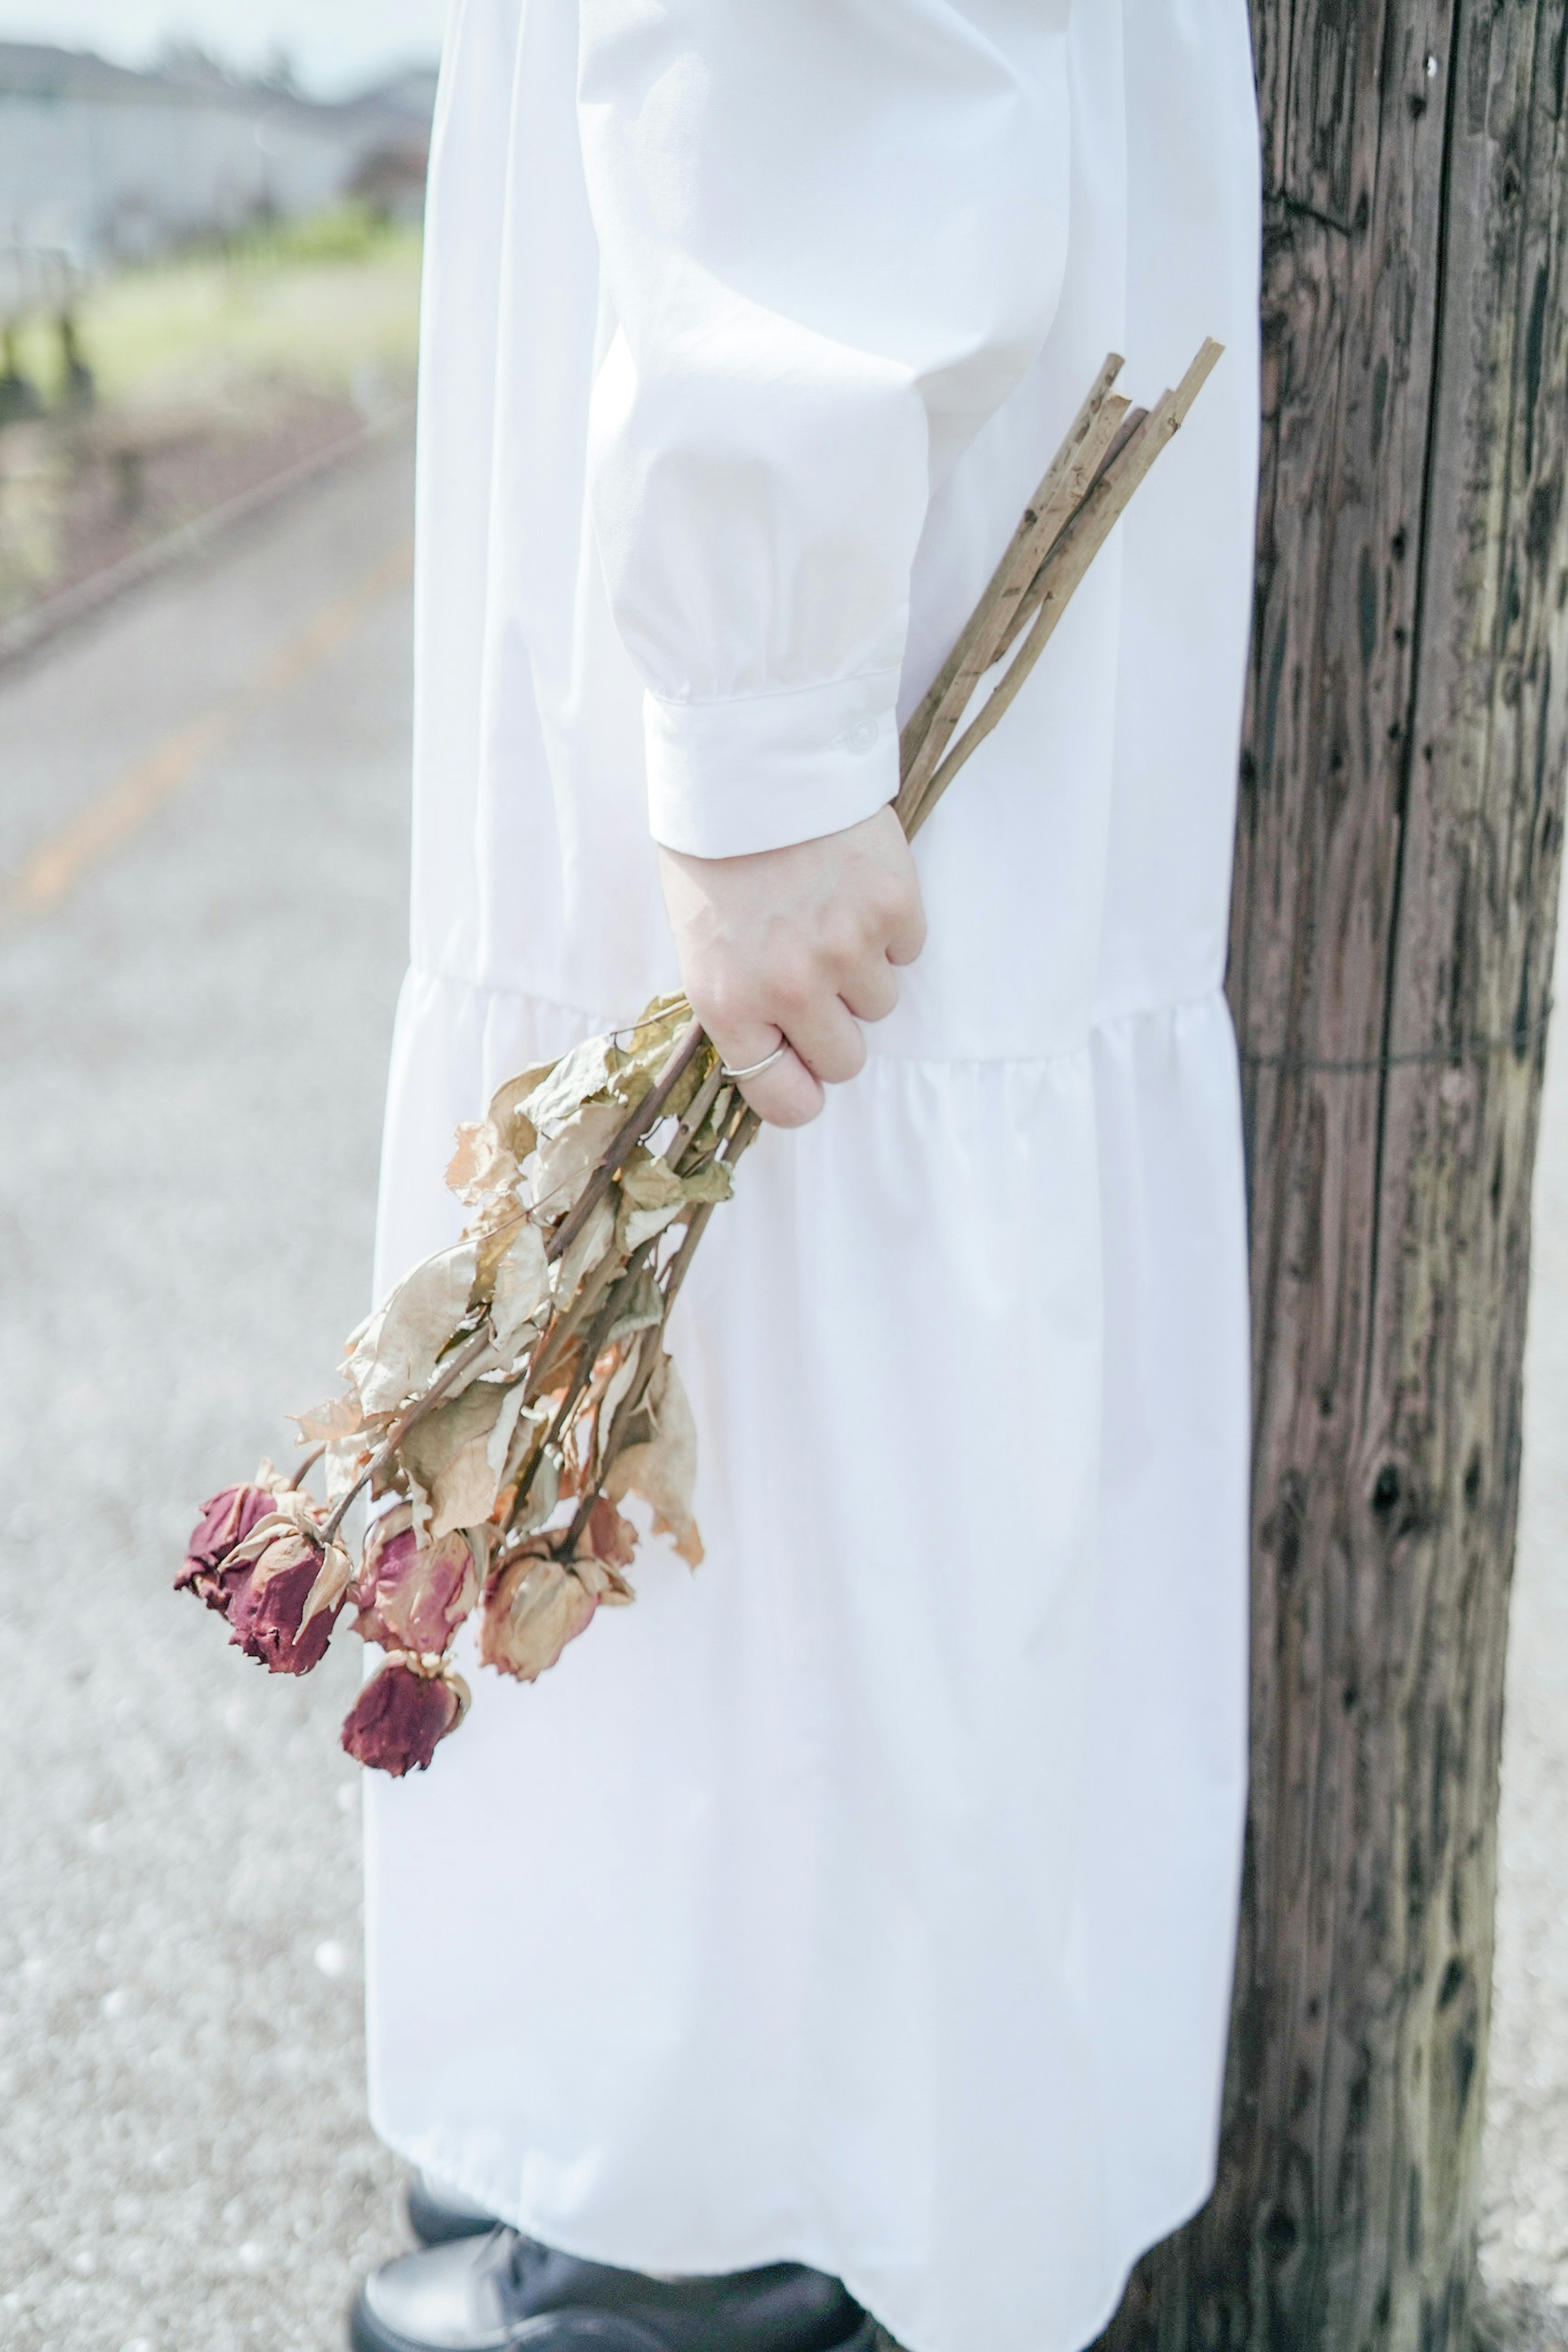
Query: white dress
column 867, row 1898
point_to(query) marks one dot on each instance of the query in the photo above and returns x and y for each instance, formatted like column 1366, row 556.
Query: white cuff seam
column 776, row 693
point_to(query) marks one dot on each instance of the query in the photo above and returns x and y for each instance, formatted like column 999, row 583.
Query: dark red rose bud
column 225, row 1522
column 401, row 1718
column 268, row 1607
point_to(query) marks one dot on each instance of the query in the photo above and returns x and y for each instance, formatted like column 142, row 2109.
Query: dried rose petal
column 401, row 1718
column 225, row 1522
column 268, row 1606
column 411, row 1597
column 608, row 1537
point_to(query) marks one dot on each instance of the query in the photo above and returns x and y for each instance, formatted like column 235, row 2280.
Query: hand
column 797, row 945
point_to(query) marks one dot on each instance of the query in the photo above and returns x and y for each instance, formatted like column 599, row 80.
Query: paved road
column 203, row 824
column 202, row 885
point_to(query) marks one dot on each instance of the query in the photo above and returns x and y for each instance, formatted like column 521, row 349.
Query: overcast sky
column 334, row 44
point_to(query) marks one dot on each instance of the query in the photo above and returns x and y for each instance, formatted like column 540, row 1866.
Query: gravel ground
column 195, row 1007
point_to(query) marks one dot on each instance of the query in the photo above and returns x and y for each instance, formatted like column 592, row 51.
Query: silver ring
column 757, row 1068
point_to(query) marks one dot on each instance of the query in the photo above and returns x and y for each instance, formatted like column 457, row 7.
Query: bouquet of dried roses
column 515, row 1389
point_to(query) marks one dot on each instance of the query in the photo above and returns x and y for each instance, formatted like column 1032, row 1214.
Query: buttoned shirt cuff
column 725, row 778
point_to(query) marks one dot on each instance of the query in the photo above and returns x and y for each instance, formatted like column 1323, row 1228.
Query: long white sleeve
column 833, row 235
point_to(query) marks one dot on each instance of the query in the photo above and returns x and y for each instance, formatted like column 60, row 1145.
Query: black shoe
column 437, row 2215
column 495, row 2293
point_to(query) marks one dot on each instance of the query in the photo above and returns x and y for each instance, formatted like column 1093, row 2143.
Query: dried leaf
column 342, row 1465
column 499, row 1451
column 645, row 1224
column 663, row 1469
column 507, row 1114
column 332, row 1583
column 568, row 1273
column 448, row 1454
column 398, row 1351
column 621, row 1382
column 522, row 1284
column 644, row 1308
column 481, row 1164
column 713, row 1182
column 648, row 1047
column 650, row 1183
column 576, row 1079
column 656, row 1196
column 341, row 1416
column 565, row 1162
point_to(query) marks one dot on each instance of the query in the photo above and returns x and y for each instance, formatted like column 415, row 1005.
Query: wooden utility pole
column 1398, row 851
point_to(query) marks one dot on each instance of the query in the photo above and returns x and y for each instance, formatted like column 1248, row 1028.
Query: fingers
column 906, row 933
column 827, row 1038
column 799, row 943
column 871, row 991
column 786, row 1095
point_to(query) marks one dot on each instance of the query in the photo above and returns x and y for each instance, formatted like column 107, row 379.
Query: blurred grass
column 312, row 304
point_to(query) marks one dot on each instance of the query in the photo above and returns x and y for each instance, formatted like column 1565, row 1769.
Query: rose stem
column 305, row 1469
column 701, row 1103
column 631, row 1131
column 591, row 1346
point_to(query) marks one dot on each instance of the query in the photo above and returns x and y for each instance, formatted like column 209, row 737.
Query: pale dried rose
column 412, row 1596
column 228, row 1519
column 533, row 1608
column 403, row 1715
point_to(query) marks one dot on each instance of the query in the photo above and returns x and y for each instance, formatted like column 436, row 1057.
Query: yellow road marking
column 58, row 863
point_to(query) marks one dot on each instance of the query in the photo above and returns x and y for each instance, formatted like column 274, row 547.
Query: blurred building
column 100, row 165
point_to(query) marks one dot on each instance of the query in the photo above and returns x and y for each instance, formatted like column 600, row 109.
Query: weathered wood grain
column 1398, row 848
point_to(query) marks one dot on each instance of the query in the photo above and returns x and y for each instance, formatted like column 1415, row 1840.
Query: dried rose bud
column 533, row 1608
column 271, row 1615
column 225, row 1523
column 413, row 1596
column 402, row 1715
